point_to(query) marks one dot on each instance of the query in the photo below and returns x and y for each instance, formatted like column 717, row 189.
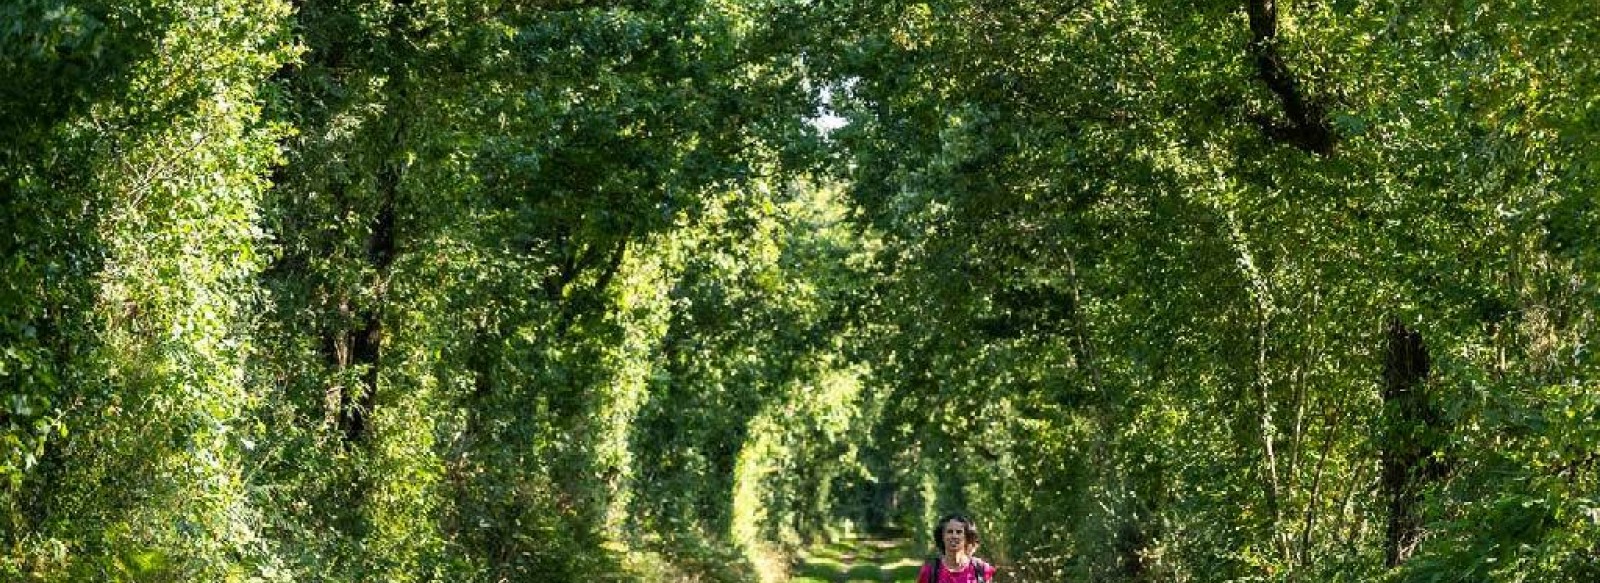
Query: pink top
column 965, row 575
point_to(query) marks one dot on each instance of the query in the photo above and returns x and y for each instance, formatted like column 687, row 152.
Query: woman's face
column 955, row 536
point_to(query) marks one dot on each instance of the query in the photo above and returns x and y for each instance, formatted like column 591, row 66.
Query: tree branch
column 1307, row 126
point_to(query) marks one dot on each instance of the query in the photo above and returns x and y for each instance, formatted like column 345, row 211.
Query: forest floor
column 862, row 559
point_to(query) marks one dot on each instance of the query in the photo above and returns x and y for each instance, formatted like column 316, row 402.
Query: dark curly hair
column 938, row 530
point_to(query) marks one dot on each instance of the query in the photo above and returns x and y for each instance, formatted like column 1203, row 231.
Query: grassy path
column 860, row 560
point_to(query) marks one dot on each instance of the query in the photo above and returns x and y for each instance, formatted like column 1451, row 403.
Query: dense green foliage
column 437, row 290
column 1123, row 237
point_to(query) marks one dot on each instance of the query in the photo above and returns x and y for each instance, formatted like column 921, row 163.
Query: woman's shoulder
column 988, row 568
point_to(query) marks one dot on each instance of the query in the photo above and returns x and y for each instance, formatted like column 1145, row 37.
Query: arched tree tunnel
column 437, row 290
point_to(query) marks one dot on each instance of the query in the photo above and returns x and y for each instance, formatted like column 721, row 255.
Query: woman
column 957, row 538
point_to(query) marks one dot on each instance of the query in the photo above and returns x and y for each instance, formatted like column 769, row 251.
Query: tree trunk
column 366, row 343
column 1409, row 463
column 1307, row 126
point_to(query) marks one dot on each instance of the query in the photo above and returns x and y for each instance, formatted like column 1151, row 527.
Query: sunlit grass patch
column 904, row 569
column 864, row 572
column 820, row 569
column 860, row 561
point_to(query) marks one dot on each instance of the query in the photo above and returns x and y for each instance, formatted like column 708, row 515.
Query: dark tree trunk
column 366, row 349
column 1130, row 543
column 1307, row 126
column 1411, row 427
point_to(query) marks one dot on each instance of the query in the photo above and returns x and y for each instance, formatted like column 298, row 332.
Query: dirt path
column 860, row 560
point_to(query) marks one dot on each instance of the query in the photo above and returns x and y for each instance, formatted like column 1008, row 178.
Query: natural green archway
column 438, row 290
